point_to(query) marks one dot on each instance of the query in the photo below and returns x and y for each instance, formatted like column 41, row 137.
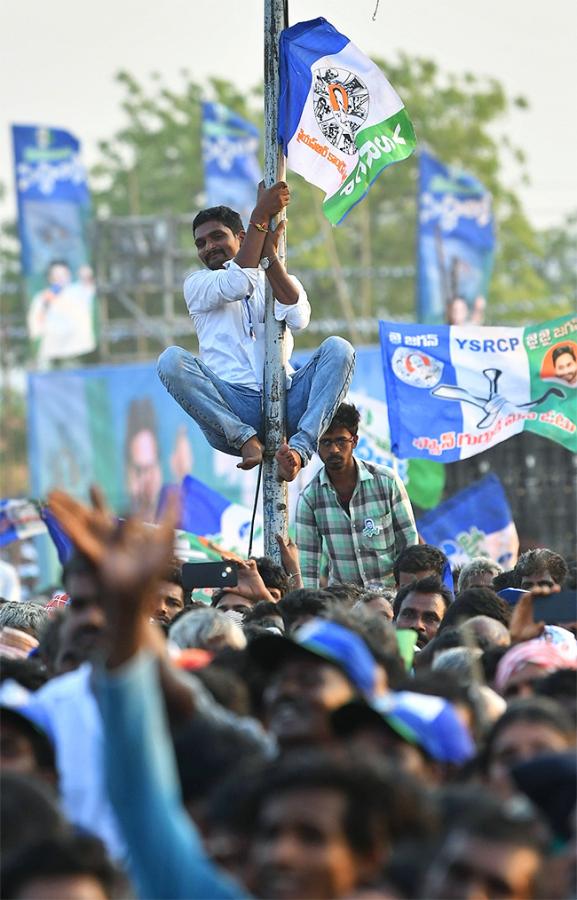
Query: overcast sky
column 58, row 59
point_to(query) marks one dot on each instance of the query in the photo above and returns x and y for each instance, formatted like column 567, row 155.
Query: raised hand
column 250, row 583
column 289, row 554
column 271, row 201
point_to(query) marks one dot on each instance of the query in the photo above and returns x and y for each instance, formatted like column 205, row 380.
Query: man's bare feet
column 251, row 452
column 289, row 463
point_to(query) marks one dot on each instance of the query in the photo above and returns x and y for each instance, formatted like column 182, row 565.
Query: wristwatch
column 266, row 262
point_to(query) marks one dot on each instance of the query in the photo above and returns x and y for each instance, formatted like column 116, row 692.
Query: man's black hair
column 476, row 601
column 479, row 813
column 223, row 214
column 302, row 602
column 29, row 810
column 504, row 580
column 540, row 560
column 560, row 686
column 141, row 417
column 263, row 610
column 345, row 592
column 430, row 585
column 382, row 806
column 78, row 854
column 537, row 710
column 420, row 558
column 560, row 351
column 30, row 672
column 273, row 576
column 347, row 416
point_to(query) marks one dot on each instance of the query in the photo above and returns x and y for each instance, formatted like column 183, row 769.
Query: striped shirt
column 361, row 546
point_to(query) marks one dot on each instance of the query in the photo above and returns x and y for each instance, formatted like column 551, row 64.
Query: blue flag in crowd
column 475, row 522
column 456, row 241
column 53, row 213
column 230, row 158
column 207, row 513
column 63, row 544
column 454, row 391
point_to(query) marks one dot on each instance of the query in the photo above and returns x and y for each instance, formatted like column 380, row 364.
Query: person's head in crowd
column 30, row 673
column 227, row 600
column 337, row 444
column 379, row 602
column 570, row 582
column 267, row 615
column 25, row 748
column 507, row 579
column 316, row 670
column 561, row 686
column 27, row 617
column 207, row 629
column 379, row 636
column 524, row 664
column 492, row 849
column 421, row 734
column 478, row 572
column 49, row 642
column 274, row 576
column 83, row 633
column 418, row 562
column 486, row 632
column 142, row 459
column 540, row 568
column 478, row 601
column 301, row 605
column 74, row 866
column 460, row 662
column 344, row 593
column 170, row 598
column 527, row 729
column 29, row 811
column 550, row 782
column 422, row 605
column 565, row 363
column 228, row 688
column 323, row 828
column 442, row 684
column 206, row 753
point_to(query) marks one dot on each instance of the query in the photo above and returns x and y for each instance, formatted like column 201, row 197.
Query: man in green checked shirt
column 357, row 512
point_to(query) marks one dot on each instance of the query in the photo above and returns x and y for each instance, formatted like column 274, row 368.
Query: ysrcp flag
column 456, row 240
column 340, row 121
column 205, row 512
column 454, row 391
column 53, row 213
column 475, row 522
column 230, row 159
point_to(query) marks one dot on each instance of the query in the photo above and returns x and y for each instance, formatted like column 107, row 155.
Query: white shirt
column 227, row 308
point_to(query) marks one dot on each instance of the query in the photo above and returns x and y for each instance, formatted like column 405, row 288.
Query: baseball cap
column 323, row 640
column 425, row 721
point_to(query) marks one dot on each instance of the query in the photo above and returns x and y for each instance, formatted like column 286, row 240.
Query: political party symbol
column 341, row 104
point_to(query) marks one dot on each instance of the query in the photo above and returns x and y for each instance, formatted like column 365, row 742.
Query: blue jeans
column 230, row 414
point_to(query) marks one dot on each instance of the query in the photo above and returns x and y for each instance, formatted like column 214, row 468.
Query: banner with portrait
column 53, row 215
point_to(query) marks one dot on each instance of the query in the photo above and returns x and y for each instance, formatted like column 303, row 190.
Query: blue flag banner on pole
column 53, row 214
column 454, row 391
column 205, row 512
column 456, row 240
column 340, row 121
column 230, row 158
column 475, row 522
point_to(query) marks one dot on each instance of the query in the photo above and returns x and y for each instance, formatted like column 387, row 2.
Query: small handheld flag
column 340, row 121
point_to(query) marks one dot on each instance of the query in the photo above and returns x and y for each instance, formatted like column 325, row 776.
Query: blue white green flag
column 340, row 121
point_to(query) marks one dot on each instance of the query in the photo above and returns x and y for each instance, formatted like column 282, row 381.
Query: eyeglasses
column 340, row 442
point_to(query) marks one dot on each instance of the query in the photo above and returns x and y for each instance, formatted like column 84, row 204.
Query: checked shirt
column 361, row 547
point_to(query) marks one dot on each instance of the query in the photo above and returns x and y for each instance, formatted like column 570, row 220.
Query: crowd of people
column 285, row 741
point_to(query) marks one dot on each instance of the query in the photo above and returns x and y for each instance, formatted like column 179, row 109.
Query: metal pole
column 275, row 494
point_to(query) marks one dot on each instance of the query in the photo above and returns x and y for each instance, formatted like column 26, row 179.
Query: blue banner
column 475, row 522
column 230, row 158
column 53, row 214
column 456, row 240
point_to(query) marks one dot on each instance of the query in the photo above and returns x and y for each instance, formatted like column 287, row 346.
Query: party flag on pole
column 340, row 121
